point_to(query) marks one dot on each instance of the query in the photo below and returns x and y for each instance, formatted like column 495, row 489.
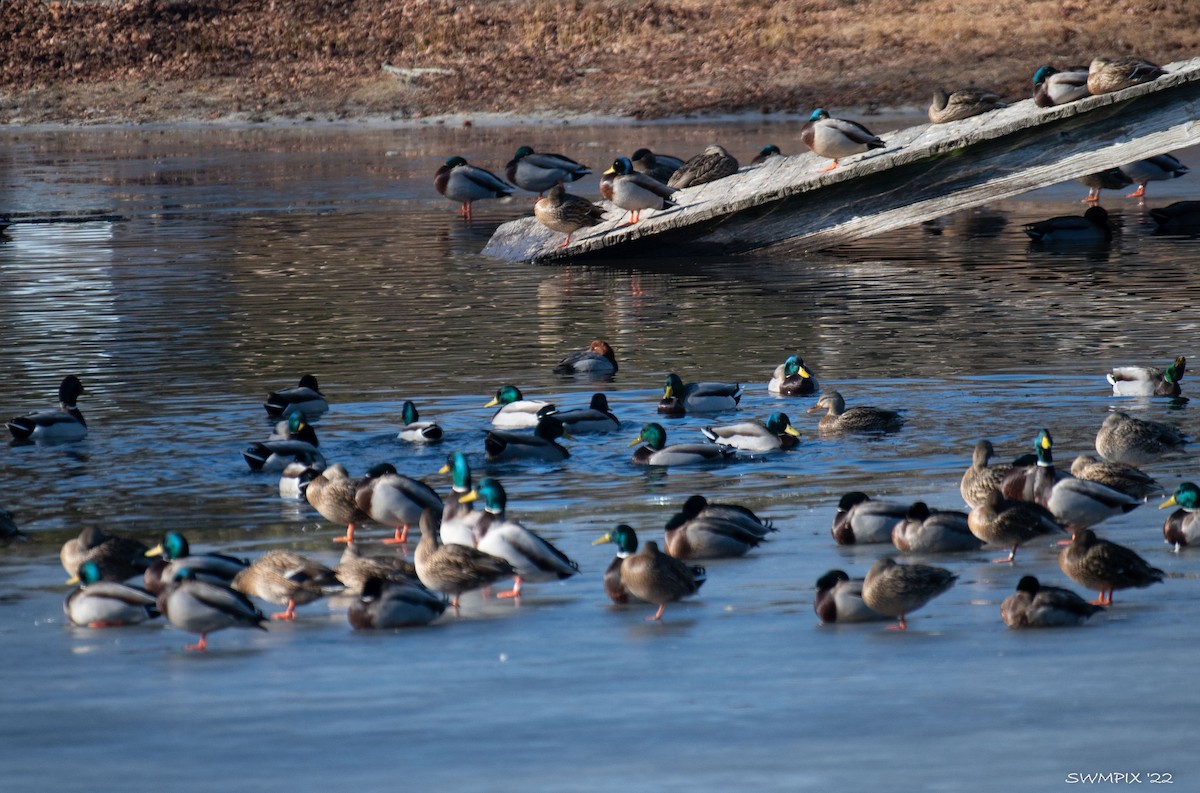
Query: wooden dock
column 925, row 172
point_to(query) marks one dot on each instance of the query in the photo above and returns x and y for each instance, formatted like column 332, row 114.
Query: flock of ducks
column 650, row 181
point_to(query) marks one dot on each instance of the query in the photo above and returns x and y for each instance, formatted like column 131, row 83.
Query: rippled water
column 240, row 259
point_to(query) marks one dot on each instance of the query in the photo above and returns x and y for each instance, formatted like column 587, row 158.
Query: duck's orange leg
column 199, row 646
column 658, row 614
column 515, row 592
column 400, row 538
column 287, row 614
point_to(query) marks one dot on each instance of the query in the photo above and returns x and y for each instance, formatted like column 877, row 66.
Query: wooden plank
column 926, row 171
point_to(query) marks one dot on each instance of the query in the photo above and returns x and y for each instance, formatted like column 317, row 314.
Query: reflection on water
column 245, row 258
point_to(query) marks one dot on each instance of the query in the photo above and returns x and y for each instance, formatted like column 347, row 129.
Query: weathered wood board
column 925, row 172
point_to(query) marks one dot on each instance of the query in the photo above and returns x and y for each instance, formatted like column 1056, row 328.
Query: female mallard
column 333, row 494
column 774, row 434
column 1147, row 380
column 1182, row 526
column 1009, row 523
column 1125, row 439
column 655, row 577
column 1180, row 217
column 679, row 399
column 502, row 446
column 64, row 424
column 538, row 172
column 567, row 213
column 305, row 397
column 517, row 412
column 453, row 569
column 464, row 183
column 836, row 138
column 1035, row 605
column 96, row 603
column 1105, row 566
column 657, row 452
column 1052, row 87
column 284, row 577
column 634, row 191
column 1129, row 480
column 792, row 378
column 1110, row 179
column 597, row 360
column 701, row 530
column 413, row 430
column 862, row 521
column 354, row 570
column 899, row 589
column 856, row 419
column 533, row 558
column 708, row 166
column 981, row 478
column 596, row 417
column 276, row 454
column 1092, row 228
column 766, row 153
column 658, row 166
column 174, row 552
column 1152, row 169
column 626, row 541
column 201, row 607
column 119, row 558
column 394, row 500
column 933, row 531
column 839, row 599
column 1106, row 75
column 382, row 605
column 963, row 103
column 458, row 518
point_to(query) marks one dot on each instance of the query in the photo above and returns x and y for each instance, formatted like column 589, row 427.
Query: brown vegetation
column 147, row 60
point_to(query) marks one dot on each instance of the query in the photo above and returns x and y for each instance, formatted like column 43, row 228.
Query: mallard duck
column 1009, row 522
column 963, row 103
column 657, row 452
column 458, row 519
column 1147, row 380
column 1182, row 526
column 394, row 500
column 413, row 430
column 64, row 424
column 538, row 172
column 464, row 183
column 1106, row 74
column 839, row 599
column 1052, row 87
column 658, row 166
column 856, row 419
column 774, row 434
column 201, row 607
column 1092, row 228
column 701, row 530
column 655, row 577
column 533, row 558
column 1152, row 169
column 295, row 478
column 382, row 605
column 276, row 454
column 354, row 570
column 634, row 191
column 679, row 399
column 1105, row 566
column 899, row 589
column 8, row 529
column 862, row 521
column 626, row 541
column 1180, row 217
column 765, row 153
column 1111, row 179
column 836, row 138
column 1125, row 439
column 708, row 166
column 567, row 213
column 596, row 417
column 1035, row 605
column 333, row 494
column 1033, row 480
column 454, row 569
column 792, row 378
column 933, row 531
column 598, row 359
column 305, row 397
column 119, row 558
column 503, row 446
column 96, row 603
column 1129, row 480
column 174, row 552
column 285, row 577
column 517, row 412
column 981, row 478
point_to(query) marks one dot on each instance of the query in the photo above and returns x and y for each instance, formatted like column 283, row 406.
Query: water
column 244, row 258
